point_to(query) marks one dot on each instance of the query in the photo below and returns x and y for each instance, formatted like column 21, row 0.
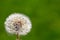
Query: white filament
column 18, row 18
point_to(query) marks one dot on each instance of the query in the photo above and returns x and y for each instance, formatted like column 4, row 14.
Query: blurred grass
column 44, row 15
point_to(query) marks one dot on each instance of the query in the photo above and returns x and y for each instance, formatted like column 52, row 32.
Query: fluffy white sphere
column 18, row 22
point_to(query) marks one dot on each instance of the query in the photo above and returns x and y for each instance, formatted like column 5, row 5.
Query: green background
column 44, row 15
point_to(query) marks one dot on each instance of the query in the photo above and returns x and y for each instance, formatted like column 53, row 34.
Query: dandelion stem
column 17, row 36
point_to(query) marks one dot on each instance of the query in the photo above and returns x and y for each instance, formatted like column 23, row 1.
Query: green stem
column 17, row 36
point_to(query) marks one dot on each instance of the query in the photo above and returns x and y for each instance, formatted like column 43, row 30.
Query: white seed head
column 18, row 23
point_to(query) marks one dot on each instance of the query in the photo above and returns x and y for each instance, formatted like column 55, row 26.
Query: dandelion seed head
column 18, row 22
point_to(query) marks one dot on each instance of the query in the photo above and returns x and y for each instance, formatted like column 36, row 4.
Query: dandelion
column 18, row 24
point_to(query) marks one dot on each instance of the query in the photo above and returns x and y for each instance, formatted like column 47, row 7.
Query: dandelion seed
column 18, row 24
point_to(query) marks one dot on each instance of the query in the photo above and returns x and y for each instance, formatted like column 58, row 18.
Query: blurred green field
column 44, row 15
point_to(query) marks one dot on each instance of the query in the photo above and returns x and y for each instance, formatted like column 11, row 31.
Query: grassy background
column 44, row 15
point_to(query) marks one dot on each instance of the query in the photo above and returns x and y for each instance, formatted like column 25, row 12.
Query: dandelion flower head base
column 18, row 22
